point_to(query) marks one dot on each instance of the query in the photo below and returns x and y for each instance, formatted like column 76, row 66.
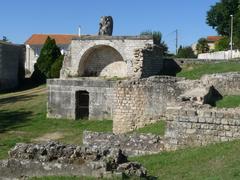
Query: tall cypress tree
column 48, row 55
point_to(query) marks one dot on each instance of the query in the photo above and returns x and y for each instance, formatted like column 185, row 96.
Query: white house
column 35, row 43
column 211, row 40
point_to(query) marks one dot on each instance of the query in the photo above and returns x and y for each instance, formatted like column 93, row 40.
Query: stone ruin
column 124, row 78
column 52, row 158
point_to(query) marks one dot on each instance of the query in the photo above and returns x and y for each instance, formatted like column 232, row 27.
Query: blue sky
column 21, row 18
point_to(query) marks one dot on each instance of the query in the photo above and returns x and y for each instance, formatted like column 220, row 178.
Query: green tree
column 222, row 44
column 218, row 16
column 49, row 54
column 56, row 67
column 185, row 52
column 157, row 39
column 202, row 46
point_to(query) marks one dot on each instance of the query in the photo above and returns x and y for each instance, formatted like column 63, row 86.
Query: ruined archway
column 104, row 61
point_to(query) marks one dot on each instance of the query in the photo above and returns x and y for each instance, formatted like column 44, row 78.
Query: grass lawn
column 157, row 128
column 229, row 102
column 215, row 162
column 195, row 71
column 23, row 119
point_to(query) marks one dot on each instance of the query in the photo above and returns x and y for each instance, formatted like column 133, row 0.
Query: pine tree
column 49, row 54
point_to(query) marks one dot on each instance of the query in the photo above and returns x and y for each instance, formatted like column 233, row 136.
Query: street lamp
column 231, row 40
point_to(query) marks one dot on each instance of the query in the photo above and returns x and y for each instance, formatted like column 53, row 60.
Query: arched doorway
column 104, row 61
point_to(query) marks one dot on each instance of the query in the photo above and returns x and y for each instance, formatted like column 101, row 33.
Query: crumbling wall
column 55, row 159
column 200, row 125
column 225, row 83
column 11, row 65
column 148, row 61
column 141, row 102
column 133, row 144
column 80, row 47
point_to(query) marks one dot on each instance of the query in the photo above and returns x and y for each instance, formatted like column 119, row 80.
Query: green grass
column 195, row 71
column 229, row 102
column 157, row 128
column 69, row 178
column 215, row 162
column 23, row 118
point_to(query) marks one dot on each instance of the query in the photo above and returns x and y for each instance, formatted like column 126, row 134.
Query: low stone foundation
column 55, row 159
column 131, row 144
column 200, row 125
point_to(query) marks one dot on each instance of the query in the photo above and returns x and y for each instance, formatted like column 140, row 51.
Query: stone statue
column 106, row 26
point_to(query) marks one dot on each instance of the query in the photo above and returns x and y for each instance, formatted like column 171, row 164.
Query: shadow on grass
column 26, row 84
column 10, row 120
column 14, row 99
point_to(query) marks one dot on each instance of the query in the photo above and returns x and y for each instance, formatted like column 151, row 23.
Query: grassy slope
column 195, row 71
column 23, row 118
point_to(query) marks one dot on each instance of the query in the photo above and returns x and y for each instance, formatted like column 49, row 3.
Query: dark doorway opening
column 82, row 104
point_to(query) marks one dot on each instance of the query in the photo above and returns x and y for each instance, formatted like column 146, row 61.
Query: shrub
column 222, row 44
column 202, row 46
column 185, row 52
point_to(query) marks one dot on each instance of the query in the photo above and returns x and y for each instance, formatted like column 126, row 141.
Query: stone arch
column 102, row 60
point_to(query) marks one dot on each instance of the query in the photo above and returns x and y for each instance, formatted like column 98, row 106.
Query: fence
column 220, row 55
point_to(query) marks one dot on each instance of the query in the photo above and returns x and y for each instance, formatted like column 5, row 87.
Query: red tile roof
column 39, row 39
column 214, row 38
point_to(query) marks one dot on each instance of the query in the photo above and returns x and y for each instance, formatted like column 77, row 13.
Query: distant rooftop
column 39, row 39
column 213, row 38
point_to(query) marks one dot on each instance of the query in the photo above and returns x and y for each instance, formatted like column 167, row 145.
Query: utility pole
column 231, row 40
column 176, row 41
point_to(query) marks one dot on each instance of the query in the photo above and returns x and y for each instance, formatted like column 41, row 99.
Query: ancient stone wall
column 225, row 83
column 148, row 61
column 62, row 100
column 84, row 46
column 105, row 61
column 11, row 65
column 55, row 159
column 196, row 126
column 141, row 102
column 131, row 144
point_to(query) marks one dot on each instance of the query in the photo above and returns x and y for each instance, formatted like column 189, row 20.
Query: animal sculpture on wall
column 106, row 26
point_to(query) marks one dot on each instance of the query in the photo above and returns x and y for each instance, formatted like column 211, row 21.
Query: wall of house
column 11, row 65
column 62, row 97
column 33, row 52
